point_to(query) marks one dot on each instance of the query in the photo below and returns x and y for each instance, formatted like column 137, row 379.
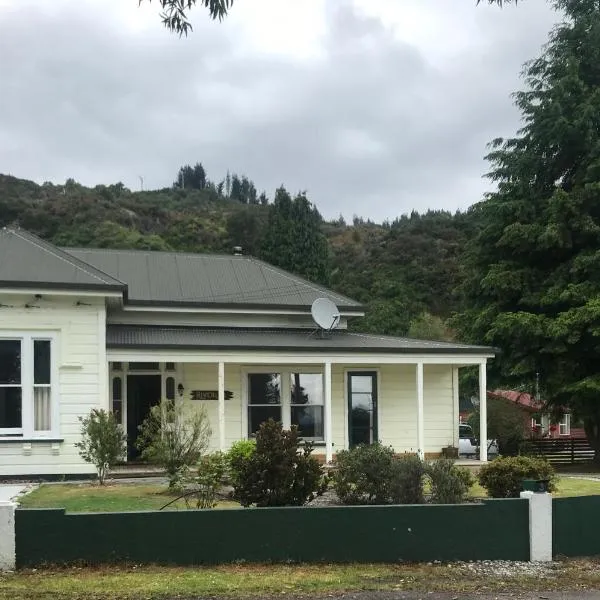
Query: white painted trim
column 277, row 358
column 221, row 407
column 27, row 338
column 103, row 395
column 455, row 406
column 327, row 412
column 58, row 292
column 420, row 412
column 233, row 311
column 483, row 413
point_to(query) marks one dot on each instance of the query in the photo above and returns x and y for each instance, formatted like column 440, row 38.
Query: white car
column 468, row 446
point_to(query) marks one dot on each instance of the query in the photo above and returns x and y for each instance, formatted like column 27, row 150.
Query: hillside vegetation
column 406, row 272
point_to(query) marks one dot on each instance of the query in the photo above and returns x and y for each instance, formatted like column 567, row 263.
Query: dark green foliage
column 503, row 477
column 294, row 240
column 506, row 424
column 279, row 472
column 372, row 474
column 449, row 484
column 236, row 455
column 534, row 276
column 406, row 486
column 191, row 177
column 103, row 441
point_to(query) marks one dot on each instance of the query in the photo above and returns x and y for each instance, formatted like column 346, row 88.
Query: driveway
column 9, row 491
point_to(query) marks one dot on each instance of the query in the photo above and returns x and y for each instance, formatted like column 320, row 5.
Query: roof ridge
column 64, row 256
column 164, row 252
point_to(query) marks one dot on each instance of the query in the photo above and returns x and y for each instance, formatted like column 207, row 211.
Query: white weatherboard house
column 119, row 329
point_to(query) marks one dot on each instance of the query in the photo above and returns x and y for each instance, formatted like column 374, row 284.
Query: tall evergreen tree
column 294, row 240
column 534, row 290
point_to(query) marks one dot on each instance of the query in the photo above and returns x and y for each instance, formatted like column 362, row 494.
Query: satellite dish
column 325, row 313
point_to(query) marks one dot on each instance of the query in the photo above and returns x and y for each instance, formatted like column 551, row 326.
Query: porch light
column 180, row 390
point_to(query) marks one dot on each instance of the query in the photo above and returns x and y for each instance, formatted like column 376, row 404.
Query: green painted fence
column 494, row 529
column 576, row 526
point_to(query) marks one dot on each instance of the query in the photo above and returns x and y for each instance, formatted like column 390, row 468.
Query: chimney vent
column 237, row 251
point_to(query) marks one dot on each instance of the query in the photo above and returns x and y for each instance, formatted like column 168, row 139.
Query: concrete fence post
column 7, row 536
column 540, row 526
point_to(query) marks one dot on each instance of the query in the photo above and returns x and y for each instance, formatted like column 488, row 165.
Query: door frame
column 375, row 373
column 124, row 372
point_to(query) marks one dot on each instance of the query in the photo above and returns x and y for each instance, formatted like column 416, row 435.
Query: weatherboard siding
column 81, row 359
column 397, row 403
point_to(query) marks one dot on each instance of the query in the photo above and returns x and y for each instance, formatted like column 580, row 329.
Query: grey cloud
column 369, row 128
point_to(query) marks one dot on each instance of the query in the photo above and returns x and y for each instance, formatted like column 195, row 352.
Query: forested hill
column 406, row 272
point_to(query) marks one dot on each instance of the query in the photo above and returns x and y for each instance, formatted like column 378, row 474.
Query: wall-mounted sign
column 209, row 395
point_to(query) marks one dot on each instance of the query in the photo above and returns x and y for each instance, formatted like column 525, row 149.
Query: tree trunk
column 591, row 426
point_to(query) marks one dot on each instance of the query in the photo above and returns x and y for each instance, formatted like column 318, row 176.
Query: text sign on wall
column 209, row 395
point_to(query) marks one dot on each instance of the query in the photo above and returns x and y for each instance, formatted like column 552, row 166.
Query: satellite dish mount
column 325, row 314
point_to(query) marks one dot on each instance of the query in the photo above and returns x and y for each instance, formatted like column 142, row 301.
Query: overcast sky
column 374, row 107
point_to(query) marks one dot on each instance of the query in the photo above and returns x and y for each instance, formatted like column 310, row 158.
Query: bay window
column 293, row 398
column 27, row 405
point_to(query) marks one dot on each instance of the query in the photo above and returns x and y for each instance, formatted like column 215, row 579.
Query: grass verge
column 262, row 581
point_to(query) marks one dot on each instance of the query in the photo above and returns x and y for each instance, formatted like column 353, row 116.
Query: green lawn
column 86, row 497
column 290, row 581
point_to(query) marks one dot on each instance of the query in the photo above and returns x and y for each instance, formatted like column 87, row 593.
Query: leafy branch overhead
column 174, row 13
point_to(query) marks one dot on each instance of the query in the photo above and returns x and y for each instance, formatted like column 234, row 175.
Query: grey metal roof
column 155, row 278
column 198, row 338
column 28, row 261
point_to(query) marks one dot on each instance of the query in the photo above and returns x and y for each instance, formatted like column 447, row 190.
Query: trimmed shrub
column 406, row 486
column 237, row 453
column 372, row 474
column 278, row 472
column 449, row 484
column 503, row 477
column 363, row 474
column 103, row 442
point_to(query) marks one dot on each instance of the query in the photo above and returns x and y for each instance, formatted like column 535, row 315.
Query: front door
column 362, row 408
column 143, row 392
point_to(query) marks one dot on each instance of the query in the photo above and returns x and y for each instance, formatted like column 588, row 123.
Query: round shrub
column 503, row 477
column 449, row 484
column 372, row 474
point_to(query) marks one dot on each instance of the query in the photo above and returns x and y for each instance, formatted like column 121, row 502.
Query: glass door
column 362, row 408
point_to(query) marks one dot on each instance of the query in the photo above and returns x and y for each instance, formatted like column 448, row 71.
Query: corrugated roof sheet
column 26, row 260
column 145, row 337
column 206, row 279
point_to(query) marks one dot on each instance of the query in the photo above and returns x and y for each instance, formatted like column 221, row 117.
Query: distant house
column 120, row 329
column 538, row 420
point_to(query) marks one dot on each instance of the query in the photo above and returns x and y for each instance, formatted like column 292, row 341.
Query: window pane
column 10, row 361
column 42, row 404
column 117, row 389
column 260, row 414
column 118, row 411
column 307, row 388
column 143, row 366
column 10, row 408
column 309, row 420
column 169, row 366
column 117, row 366
column 170, row 388
column 264, row 388
column 41, row 361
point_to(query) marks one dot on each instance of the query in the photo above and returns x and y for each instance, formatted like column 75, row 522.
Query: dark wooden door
column 143, row 392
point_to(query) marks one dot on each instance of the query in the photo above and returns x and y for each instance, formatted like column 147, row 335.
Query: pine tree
column 294, row 240
column 535, row 285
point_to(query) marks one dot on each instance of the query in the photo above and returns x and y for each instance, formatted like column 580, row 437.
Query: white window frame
column 564, row 425
column 27, row 431
column 285, row 372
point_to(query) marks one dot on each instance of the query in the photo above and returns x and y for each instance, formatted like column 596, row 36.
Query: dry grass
column 260, row 581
